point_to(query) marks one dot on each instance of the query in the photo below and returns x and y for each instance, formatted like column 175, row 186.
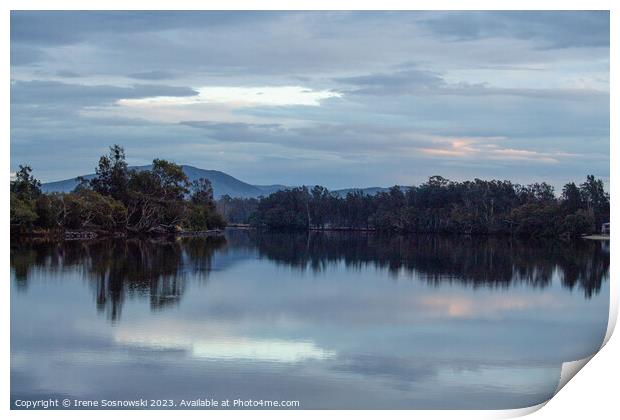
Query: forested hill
column 222, row 183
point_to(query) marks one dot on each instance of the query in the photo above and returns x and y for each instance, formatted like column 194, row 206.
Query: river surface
column 335, row 320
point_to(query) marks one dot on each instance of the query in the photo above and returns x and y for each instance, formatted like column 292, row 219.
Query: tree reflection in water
column 120, row 269
column 159, row 269
column 478, row 261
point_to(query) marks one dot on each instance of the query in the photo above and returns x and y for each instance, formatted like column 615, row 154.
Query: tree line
column 436, row 206
column 117, row 200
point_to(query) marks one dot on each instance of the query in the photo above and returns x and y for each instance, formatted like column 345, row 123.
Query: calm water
column 330, row 320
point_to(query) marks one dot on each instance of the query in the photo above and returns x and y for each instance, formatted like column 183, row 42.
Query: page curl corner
column 569, row 370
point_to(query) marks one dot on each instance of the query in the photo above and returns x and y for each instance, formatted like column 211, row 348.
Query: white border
column 593, row 394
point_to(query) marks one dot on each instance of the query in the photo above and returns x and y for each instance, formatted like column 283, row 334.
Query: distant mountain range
column 223, row 184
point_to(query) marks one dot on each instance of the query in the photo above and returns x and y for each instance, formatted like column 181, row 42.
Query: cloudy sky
column 338, row 99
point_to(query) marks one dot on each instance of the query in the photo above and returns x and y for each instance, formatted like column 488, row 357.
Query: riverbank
column 84, row 235
column 345, row 229
column 312, row 228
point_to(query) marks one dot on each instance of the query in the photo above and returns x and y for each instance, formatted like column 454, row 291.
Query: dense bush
column 90, row 210
column 23, row 214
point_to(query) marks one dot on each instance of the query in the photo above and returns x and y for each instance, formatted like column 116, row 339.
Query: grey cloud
column 240, row 132
column 50, row 92
column 70, row 27
column 484, row 89
column 394, row 83
column 553, row 29
column 67, row 73
column 152, row 75
column 321, row 137
column 21, row 56
column 292, row 45
column 425, row 82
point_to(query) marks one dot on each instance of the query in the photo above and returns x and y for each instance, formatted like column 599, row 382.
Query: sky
column 340, row 99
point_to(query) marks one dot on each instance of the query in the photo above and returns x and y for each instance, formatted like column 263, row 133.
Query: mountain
column 64, row 186
column 223, row 184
